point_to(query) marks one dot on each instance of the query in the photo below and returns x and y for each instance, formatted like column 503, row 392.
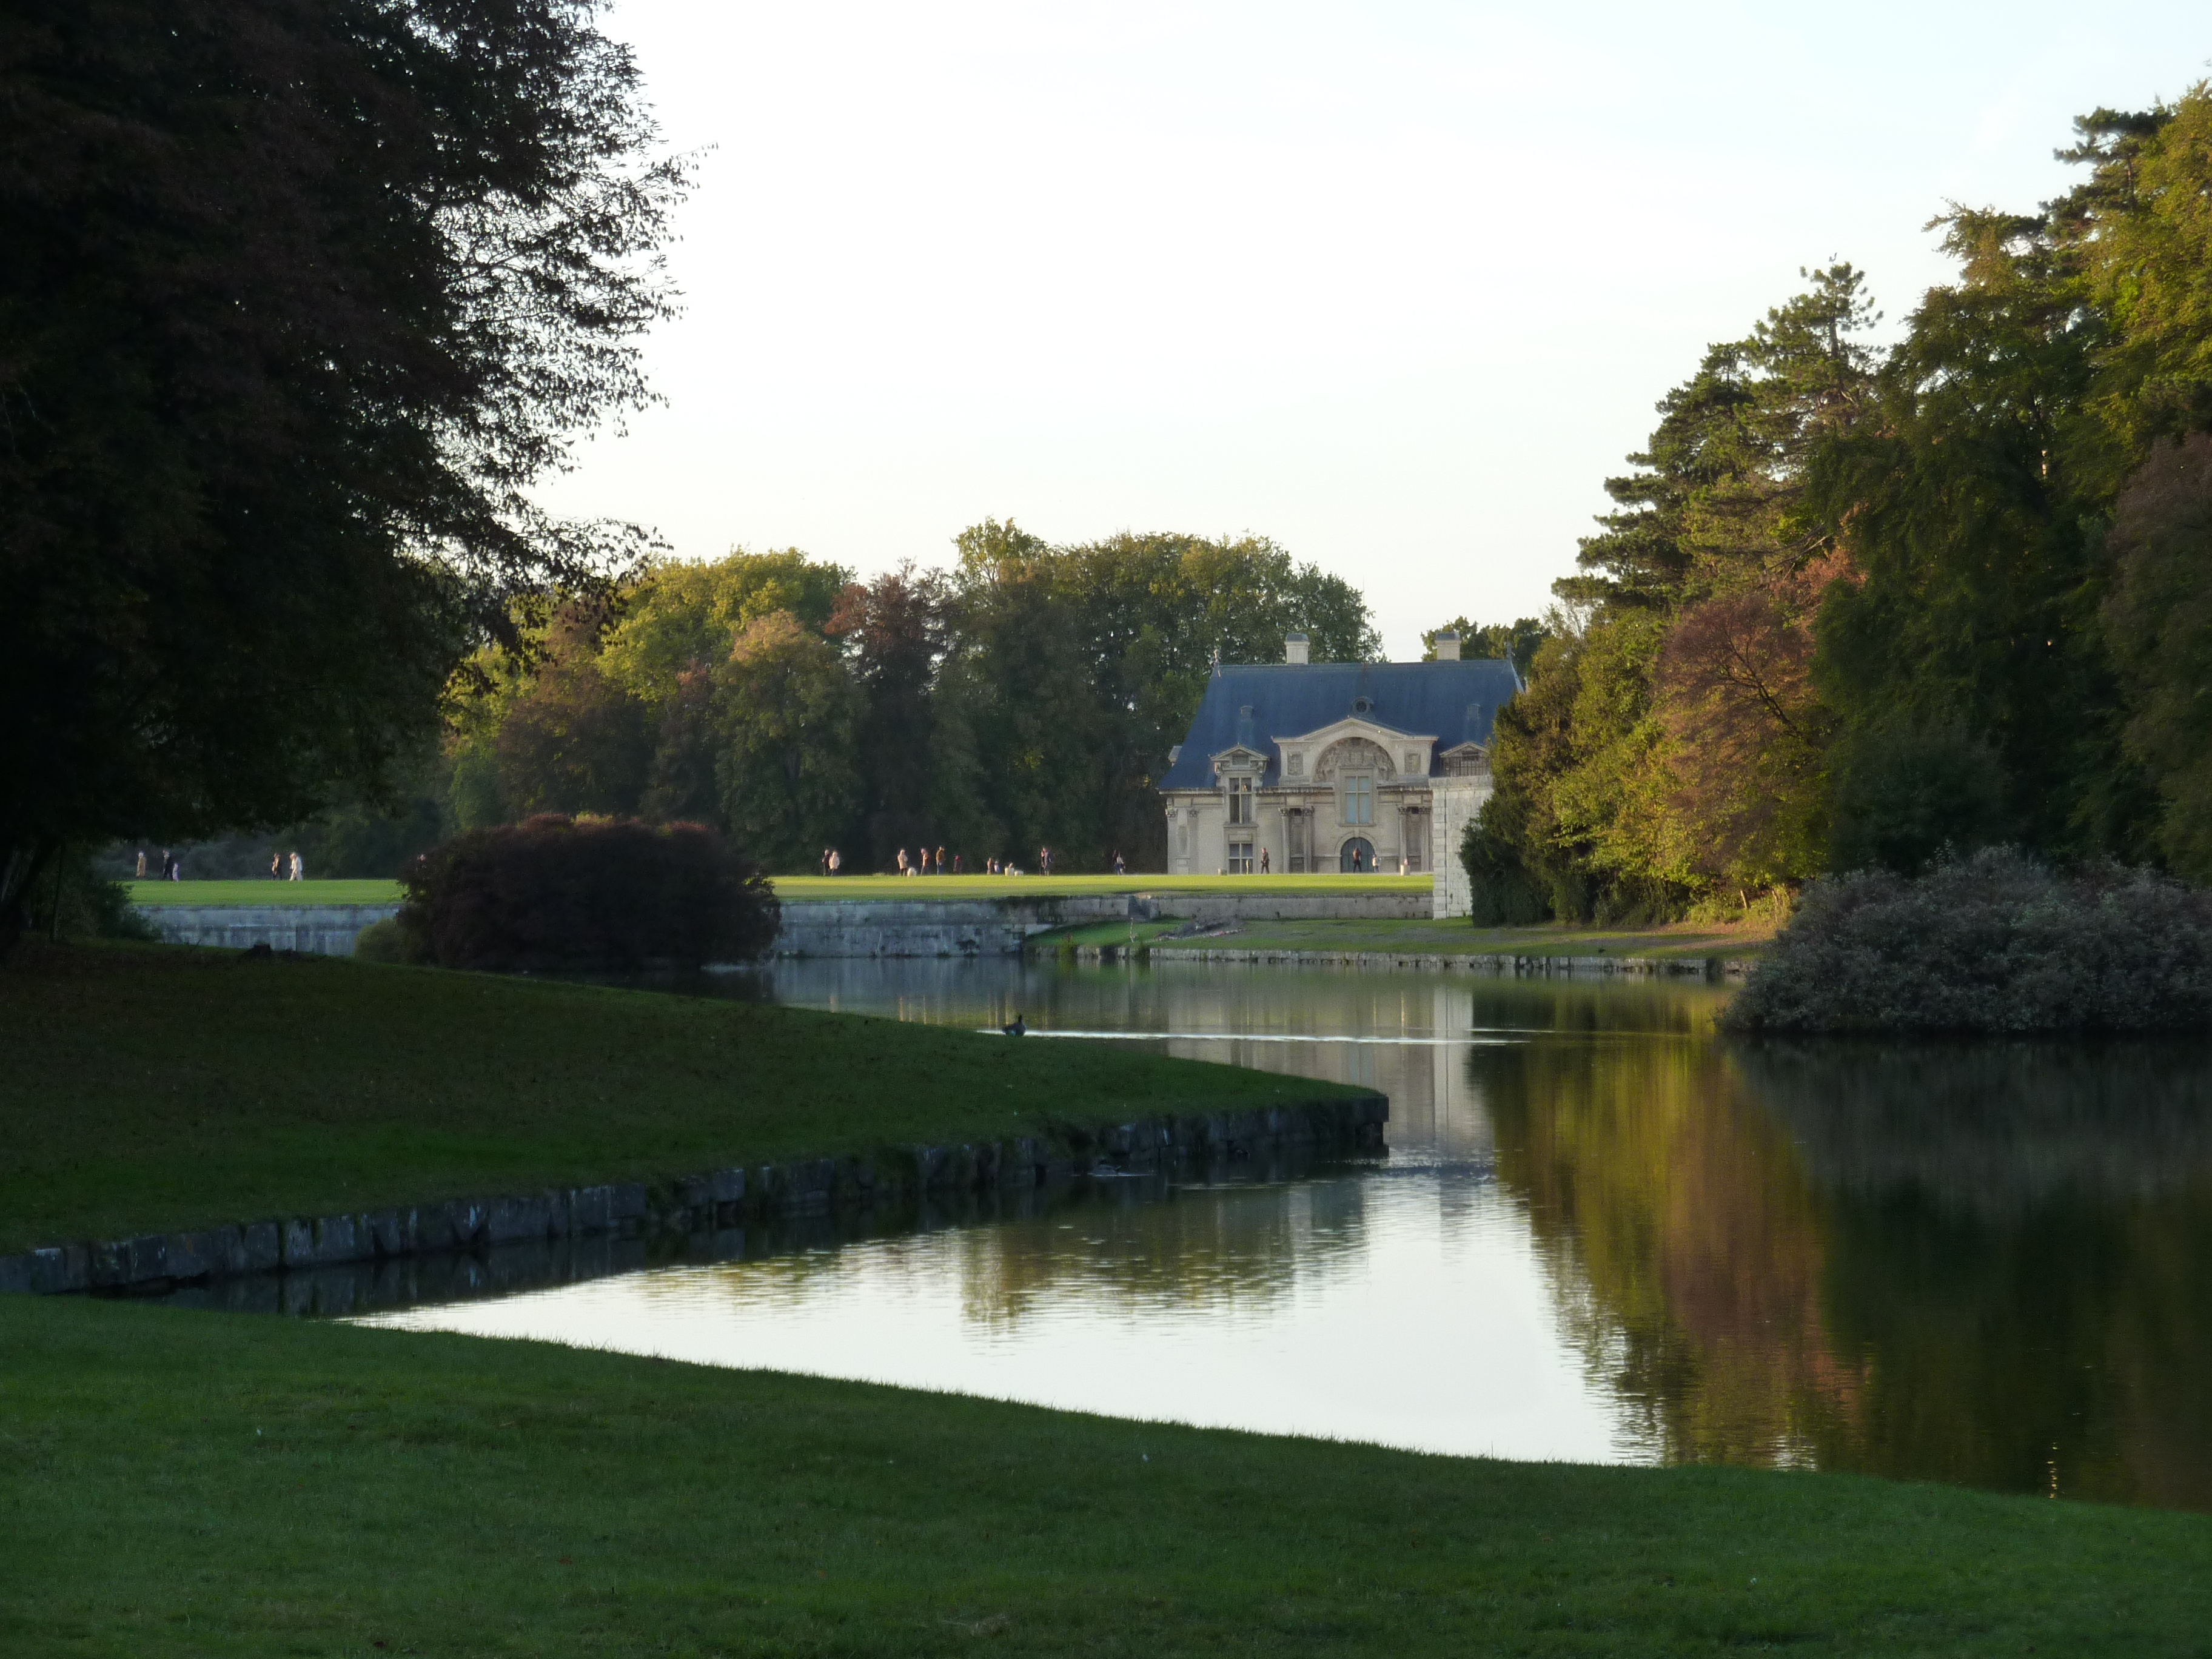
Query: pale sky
column 1397, row 285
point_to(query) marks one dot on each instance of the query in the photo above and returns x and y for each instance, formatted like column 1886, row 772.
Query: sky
column 1395, row 286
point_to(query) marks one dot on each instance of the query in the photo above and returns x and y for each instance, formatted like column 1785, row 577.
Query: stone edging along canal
column 160, row 1261
column 1516, row 966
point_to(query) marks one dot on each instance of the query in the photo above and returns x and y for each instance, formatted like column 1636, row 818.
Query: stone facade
column 1351, row 768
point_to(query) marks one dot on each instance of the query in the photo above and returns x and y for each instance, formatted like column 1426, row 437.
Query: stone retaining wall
column 689, row 1203
column 323, row 930
column 830, row 928
column 998, row 926
column 1518, row 967
column 348, row 1289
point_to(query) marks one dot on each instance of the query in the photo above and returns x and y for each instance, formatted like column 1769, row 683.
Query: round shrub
column 556, row 892
column 1993, row 943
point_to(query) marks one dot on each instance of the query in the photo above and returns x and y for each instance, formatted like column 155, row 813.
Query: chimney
column 1244, row 728
column 1448, row 646
column 1294, row 648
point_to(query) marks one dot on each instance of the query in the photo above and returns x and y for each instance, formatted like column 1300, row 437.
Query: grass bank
column 182, row 1483
column 157, row 1088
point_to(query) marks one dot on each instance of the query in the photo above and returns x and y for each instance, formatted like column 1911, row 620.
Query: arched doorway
column 1356, row 857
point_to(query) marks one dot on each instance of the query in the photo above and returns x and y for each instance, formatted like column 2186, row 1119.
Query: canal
column 1601, row 1232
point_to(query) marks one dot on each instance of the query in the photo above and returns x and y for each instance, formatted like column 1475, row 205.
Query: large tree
column 297, row 298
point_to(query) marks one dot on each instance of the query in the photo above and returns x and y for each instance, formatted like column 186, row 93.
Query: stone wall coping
column 1520, row 966
column 796, row 1188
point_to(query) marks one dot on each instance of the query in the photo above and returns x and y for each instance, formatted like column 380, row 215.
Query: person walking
column 903, row 865
column 836, row 861
column 275, row 865
column 940, row 860
column 1120, row 868
column 1263, row 860
column 142, row 864
column 299, row 869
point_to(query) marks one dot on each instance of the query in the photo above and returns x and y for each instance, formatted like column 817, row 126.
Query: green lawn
column 817, row 887
column 154, row 1088
column 193, row 1483
column 1681, row 940
column 263, row 892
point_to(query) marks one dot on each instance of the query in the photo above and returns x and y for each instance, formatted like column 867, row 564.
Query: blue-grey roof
column 1453, row 702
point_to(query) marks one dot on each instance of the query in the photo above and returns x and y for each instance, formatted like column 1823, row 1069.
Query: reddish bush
column 561, row 893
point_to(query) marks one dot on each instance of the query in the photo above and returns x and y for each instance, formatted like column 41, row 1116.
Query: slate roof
column 1453, row 702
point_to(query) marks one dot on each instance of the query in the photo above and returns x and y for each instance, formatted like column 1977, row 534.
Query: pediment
column 1354, row 726
column 1237, row 756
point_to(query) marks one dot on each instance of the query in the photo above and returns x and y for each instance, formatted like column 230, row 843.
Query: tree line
column 1028, row 696
column 1857, row 605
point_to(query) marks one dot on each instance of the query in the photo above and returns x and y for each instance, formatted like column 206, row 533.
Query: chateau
column 1351, row 767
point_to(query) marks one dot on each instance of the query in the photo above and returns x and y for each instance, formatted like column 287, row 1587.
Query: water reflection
column 1602, row 1233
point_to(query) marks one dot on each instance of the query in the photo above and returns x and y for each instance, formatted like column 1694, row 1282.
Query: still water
column 1601, row 1233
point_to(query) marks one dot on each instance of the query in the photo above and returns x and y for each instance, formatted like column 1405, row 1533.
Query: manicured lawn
column 153, row 1088
column 1459, row 939
column 263, row 892
column 916, row 887
column 178, row 1483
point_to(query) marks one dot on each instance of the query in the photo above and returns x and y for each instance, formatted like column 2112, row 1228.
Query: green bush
column 554, row 892
column 384, row 941
column 1995, row 942
column 1504, row 894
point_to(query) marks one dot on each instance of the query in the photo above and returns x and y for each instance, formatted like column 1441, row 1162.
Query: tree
column 2158, row 623
column 674, row 618
column 894, row 628
column 785, row 715
column 1515, row 641
column 1679, row 755
column 296, row 301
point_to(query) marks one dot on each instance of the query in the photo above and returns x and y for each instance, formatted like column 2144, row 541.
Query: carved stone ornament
column 1354, row 754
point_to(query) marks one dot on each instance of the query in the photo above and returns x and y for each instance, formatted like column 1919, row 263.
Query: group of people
column 282, row 866
column 922, row 862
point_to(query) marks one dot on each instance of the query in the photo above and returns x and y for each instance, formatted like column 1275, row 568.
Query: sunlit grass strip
column 156, row 893
column 824, row 887
column 187, row 1484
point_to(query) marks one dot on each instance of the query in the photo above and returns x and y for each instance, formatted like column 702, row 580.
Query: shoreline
column 1513, row 965
column 721, row 1198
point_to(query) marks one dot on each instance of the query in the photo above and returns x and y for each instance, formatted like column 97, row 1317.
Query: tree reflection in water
column 1987, row 1264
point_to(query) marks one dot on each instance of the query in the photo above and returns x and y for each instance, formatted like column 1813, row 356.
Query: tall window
column 1359, row 801
column 1240, row 800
